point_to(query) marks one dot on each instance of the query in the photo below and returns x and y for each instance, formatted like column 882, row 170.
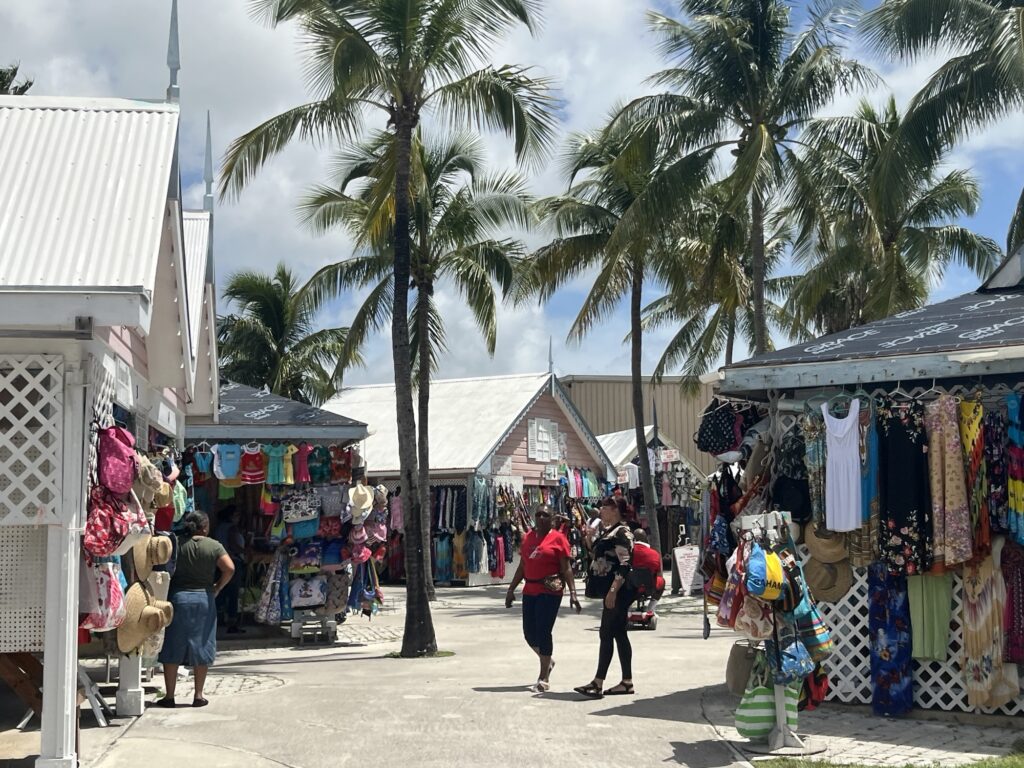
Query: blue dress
column 892, row 667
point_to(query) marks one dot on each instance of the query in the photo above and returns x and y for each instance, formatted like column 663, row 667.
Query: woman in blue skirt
column 191, row 638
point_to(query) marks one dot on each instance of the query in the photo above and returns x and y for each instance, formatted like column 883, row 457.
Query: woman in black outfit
column 609, row 573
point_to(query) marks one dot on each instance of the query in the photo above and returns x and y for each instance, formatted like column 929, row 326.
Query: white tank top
column 842, row 474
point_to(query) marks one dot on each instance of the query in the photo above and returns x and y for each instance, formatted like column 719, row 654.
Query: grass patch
column 436, row 655
column 1015, row 760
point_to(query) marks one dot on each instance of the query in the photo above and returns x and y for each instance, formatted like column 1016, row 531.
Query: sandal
column 622, row 689
column 200, row 703
column 541, row 686
column 166, row 702
column 590, row 690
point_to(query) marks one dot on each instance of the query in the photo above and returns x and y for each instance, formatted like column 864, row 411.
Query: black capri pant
column 539, row 614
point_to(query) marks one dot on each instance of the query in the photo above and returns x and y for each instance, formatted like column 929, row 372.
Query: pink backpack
column 118, row 464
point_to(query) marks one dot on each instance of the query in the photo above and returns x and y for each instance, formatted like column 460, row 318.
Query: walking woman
column 191, row 639
column 609, row 573
column 544, row 565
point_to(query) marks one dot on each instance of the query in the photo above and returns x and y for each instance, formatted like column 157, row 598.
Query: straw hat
column 828, row 582
column 148, row 482
column 824, row 545
column 164, row 496
column 144, row 617
column 149, row 552
column 361, row 498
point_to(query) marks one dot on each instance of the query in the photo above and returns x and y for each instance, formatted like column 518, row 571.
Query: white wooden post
column 131, row 699
column 60, row 660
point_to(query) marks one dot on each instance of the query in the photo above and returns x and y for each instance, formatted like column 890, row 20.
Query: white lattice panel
column 103, row 379
column 22, row 588
column 937, row 685
column 31, row 445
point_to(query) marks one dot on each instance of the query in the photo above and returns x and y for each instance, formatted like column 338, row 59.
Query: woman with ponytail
column 191, row 638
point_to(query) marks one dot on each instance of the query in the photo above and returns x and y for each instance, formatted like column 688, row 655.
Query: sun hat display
column 149, row 552
column 828, row 582
column 824, row 545
column 148, row 482
column 380, row 497
column 164, row 496
column 144, row 617
column 361, row 497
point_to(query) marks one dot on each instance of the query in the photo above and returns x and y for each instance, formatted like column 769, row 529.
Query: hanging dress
column 989, row 681
column 863, row 543
column 1015, row 465
column 906, row 525
column 813, row 428
column 892, row 670
column 951, row 518
column 1012, row 566
column 996, row 458
column 972, row 436
column 842, row 489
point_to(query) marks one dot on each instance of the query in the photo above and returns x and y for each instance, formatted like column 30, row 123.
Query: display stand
column 782, row 740
column 318, row 628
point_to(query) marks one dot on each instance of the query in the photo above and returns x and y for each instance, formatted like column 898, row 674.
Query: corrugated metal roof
column 621, row 446
column 467, row 418
column 83, row 185
column 196, row 226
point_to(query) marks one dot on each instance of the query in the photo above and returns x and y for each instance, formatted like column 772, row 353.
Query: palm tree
column 866, row 257
column 587, row 224
column 743, row 79
column 711, row 309
column 272, row 341
column 459, row 213
column 982, row 82
column 399, row 58
column 8, row 87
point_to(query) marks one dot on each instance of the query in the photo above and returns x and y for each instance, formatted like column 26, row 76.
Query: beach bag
column 106, row 525
column 332, row 559
column 306, row 558
column 309, row 593
column 815, row 690
column 103, row 584
column 754, row 619
column 812, row 630
column 788, row 657
column 268, row 504
column 719, row 541
column 117, row 463
column 306, row 529
column 714, row 589
column 719, row 430
column 269, row 609
column 755, row 716
column 297, row 508
column 329, row 528
column 739, row 666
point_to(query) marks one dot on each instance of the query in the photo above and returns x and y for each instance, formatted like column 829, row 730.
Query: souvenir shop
column 677, row 481
column 285, row 482
column 527, row 446
column 113, row 355
column 878, row 518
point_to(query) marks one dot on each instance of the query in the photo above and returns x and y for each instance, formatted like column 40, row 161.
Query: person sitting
column 646, row 558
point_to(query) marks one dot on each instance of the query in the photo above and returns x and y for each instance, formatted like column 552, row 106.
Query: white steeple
column 173, row 55
column 208, row 168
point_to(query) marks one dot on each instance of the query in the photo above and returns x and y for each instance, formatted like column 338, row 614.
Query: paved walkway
column 325, row 707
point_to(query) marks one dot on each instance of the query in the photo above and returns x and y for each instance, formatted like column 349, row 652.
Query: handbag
column 104, row 582
column 717, row 432
column 308, row 593
column 118, row 464
column 306, row 529
column 812, row 630
column 755, row 716
column 815, row 690
column 329, row 528
column 268, row 504
column 790, row 662
column 269, row 609
column 306, row 558
column 742, row 656
column 733, row 595
column 714, row 589
column 754, row 619
column 298, row 508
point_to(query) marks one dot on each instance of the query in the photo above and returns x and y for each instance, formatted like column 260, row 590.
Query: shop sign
column 551, row 472
column 668, row 455
column 686, row 560
column 622, row 478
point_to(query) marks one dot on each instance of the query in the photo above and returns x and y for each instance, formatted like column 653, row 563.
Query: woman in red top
column 544, row 565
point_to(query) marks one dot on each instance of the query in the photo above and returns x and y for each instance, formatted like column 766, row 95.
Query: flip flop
column 622, row 689
column 166, row 703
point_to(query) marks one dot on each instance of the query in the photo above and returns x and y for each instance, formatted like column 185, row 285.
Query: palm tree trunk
column 419, row 638
column 757, row 269
column 730, row 340
column 636, row 342
column 423, row 423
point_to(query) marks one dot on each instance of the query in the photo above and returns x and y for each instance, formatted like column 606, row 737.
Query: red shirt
column 542, row 558
column 645, row 557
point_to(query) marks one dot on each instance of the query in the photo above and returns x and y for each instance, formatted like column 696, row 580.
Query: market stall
column 277, row 478
column 103, row 329
column 898, row 445
column 498, row 447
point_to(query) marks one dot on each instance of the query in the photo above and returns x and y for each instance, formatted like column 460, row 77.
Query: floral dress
column 813, row 428
column 906, row 525
column 951, row 518
column 892, row 670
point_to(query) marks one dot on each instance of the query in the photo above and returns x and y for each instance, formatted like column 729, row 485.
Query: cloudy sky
column 598, row 51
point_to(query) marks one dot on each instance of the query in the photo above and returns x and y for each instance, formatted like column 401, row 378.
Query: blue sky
column 598, row 50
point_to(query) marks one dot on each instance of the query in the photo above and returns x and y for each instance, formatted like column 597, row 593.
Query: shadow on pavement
column 255, row 665
column 709, row 753
column 686, row 706
column 503, row 689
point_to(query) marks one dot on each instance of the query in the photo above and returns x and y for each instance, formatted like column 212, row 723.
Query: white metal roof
column 83, row 188
column 621, row 446
column 196, row 226
column 468, row 417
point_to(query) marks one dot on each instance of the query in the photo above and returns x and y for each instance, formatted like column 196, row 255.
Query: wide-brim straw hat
column 164, row 496
column 149, row 552
column 825, row 546
column 144, row 617
column 828, row 582
column 360, row 496
column 148, row 483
